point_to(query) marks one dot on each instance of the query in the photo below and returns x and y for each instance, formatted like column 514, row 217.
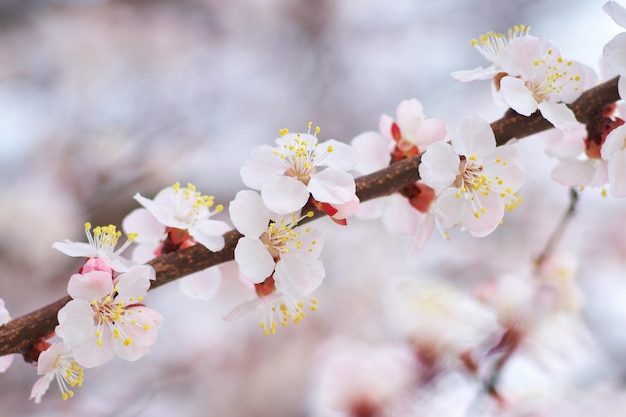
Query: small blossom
column 187, row 211
column 406, row 213
column 475, row 179
column 57, row 362
column 106, row 317
column 289, row 172
column 102, row 242
column 6, row 360
column 280, row 260
column 537, row 77
column 168, row 233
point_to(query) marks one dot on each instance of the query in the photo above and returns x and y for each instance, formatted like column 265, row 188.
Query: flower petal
column 617, row 174
column 249, row 214
column 558, row 114
column 400, row 218
column 75, row 322
column 439, row 166
column 616, row 12
column 423, row 233
column 517, row 96
column 284, row 195
column 263, row 166
column 76, row 249
column 342, row 157
column 147, row 227
column 486, row 222
column 90, row 286
column 372, row 152
column 298, row 275
column 254, row 260
column 332, row 186
column 134, row 284
column 209, row 233
column 479, row 73
column 473, row 136
column 202, row 285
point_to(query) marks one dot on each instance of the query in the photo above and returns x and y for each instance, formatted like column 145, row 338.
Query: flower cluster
column 408, row 212
column 529, row 74
column 475, row 180
column 278, row 257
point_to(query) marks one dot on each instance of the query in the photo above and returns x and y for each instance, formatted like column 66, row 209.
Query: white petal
column 242, row 309
column 332, row 186
column 430, row 131
column 473, row 136
column 163, row 207
column 145, row 252
column 202, row 285
column 76, row 249
column 486, row 222
column 423, row 233
column 384, row 126
column 345, row 210
column 284, row 194
column 510, row 171
column 263, row 166
column 311, row 243
column 372, row 209
column 517, row 96
column 614, row 142
column 90, row 355
column 209, row 233
column 372, row 152
column 479, row 73
column 558, row 114
column 298, row 275
column 439, row 166
column 621, row 86
column 449, row 208
column 142, row 222
column 617, row 174
column 75, row 322
column 409, row 117
column 249, row 214
column 573, row 173
column 400, row 218
column 134, row 283
column 90, row 286
column 342, row 157
column 254, row 260
column 616, row 12
column 40, row 387
column 5, row 362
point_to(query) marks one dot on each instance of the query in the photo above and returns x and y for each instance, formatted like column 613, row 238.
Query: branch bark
column 19, row 335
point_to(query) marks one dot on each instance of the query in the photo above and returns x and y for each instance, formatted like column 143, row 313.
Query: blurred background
column 102, row 99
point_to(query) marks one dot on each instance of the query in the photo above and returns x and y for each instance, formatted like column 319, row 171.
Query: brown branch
column 19, row 335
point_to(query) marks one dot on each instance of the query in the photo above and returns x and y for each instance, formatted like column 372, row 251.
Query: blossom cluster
column 467, row 181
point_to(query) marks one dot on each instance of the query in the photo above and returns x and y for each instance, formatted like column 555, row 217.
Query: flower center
column 281, row 236
column 104, row 239
column 114, row 316
column 193, row 204
column 491, row 44
column 555, row 79
column 301, row 153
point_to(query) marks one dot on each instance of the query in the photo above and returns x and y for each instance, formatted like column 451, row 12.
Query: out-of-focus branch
column 19, row 335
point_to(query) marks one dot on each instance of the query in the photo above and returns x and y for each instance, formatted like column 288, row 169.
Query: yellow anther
column 128, row 341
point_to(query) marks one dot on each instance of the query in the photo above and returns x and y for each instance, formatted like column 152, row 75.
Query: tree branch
column 19, row 335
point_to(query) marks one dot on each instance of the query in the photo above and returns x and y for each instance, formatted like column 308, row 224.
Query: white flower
column 105, row 316
column 277, row 249
column 287, row 173
column 490, row 46
column 6, row 360
column 613, row 151
column 57, row 362
column 165, row 234
column 476, row 180
column 187, row 210
column 614, row 52
column 102, row 242
column 281, row 260
column 407, row 212
column 539, row 78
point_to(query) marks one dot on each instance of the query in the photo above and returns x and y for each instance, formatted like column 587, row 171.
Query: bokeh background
column 103, row 99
